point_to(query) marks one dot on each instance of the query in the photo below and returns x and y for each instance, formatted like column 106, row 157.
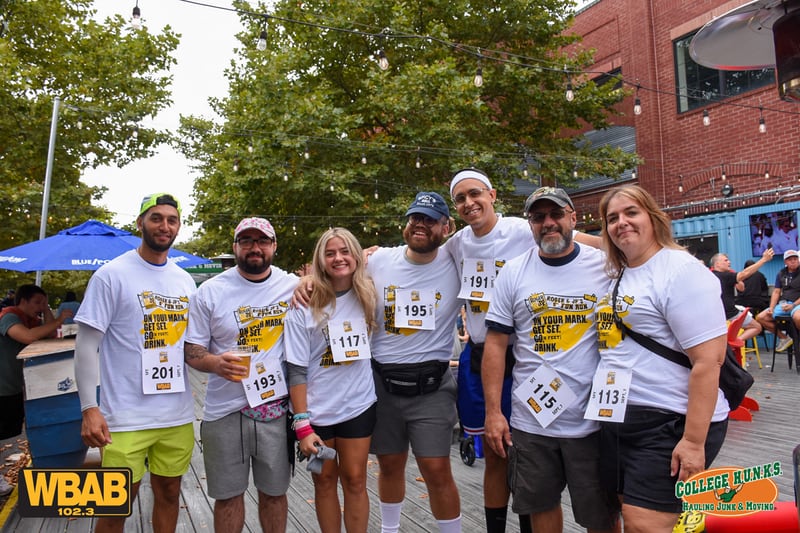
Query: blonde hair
column 662, row 225
column 322, row 293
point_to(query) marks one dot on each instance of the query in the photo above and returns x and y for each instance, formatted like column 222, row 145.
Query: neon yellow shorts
column 168, row 450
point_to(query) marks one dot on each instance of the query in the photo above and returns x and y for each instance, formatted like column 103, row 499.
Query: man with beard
column 134, row 312
column 244, row 420
column 411, row 348
column 547, row 298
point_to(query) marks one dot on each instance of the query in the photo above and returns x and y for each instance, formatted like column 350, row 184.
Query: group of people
column 549, row 379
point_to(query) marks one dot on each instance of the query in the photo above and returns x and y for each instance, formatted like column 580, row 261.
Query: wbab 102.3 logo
column 59, row 492
column 731, row 491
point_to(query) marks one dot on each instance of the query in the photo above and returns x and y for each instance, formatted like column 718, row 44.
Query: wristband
column 303, row 431
column 300, row 416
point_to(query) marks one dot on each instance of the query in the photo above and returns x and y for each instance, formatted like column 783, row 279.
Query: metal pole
column 48, row 177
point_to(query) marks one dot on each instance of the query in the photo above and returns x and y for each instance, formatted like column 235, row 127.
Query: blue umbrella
column 85, row 247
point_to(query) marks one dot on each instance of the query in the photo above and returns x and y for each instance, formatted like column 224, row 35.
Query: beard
column 434, row 241
column 554, row 247
column 151, row 242
column 253, row 268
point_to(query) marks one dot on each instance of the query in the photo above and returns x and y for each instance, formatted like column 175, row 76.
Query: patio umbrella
column 85, row 247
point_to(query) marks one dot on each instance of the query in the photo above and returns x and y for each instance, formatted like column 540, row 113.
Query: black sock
column 525, row 523
column 495, row 519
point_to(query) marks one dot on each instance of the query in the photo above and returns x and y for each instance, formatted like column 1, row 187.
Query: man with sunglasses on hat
column 480, row 250
column 244, row 418
column 411, row 348
column 130, row 340
column 546, row 298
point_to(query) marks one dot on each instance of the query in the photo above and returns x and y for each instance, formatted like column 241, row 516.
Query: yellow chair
column 748, row 349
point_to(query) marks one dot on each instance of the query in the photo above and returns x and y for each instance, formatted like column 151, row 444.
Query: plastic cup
column 244, row 357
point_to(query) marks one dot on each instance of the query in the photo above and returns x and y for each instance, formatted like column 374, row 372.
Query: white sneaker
column 783, row 344
column 5, row 486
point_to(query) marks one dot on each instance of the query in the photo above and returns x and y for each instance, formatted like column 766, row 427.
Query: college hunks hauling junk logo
column 731, row 490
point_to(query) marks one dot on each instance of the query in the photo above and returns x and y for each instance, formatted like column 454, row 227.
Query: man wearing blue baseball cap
column 411, row 351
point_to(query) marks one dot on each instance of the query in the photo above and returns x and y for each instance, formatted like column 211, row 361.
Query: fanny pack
column 413, row 379
column 476, row 357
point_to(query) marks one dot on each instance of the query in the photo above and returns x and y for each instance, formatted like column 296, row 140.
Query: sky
column 208, row 37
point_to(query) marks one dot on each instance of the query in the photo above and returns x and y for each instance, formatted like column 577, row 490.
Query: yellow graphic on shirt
column 608, row 334
column 260, row 327
column 477, row 307
column 163, row 319
column 388, row 312
column 558, row 322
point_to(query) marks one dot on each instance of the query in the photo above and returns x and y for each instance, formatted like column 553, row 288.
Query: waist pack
column 413, row 379
column 476, row 358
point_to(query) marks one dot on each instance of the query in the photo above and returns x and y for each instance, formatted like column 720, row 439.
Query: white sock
column 450, row 526
column 390, row 517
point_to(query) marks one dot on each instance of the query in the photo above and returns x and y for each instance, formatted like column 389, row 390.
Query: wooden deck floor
column 771, row 436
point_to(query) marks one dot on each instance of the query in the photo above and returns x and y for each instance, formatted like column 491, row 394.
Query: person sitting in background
column 756, row 291
column 29, row 320
column 785, row 300
column 70, row 302
column 730, row 280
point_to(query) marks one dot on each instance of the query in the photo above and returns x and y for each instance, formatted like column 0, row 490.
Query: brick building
column 646, row 43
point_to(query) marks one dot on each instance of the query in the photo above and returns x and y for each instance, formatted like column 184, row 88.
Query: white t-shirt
column 138, row 306
column 391, row 270
column 336, row 392
column 552, row 310
column 509, row 238
column 229, row 310
column 673, row 299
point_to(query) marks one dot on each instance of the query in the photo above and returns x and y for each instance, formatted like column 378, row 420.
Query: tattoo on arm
column 194, row 351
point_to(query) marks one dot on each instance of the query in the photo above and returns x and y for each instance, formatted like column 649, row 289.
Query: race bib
column 349, row 340
column 609, row 397
column 545, row 395
column 162, row 370
column 414, row 309
column 266, row 382
column 477, row 279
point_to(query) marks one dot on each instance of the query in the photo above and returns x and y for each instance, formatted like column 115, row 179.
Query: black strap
column 654, row 346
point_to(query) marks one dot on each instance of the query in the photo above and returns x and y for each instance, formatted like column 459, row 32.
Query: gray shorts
column 426, row 421
column 540, row 467
column 229, row 446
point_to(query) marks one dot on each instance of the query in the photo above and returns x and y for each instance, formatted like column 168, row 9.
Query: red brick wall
column 637, row 35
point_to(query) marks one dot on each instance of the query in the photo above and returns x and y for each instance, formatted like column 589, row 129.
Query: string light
column 262, row 39
column 376, row 189
column 706, row 118
column 724, row 176
column 136, row 17
column 525, row 170
column 575, row 172
column 306, row 153
column 236, row 165
column 135, row 133
column 766, row 171
column 478, row 80
column 762, row 126
column 250, row 148
column 680, row 183
column 633, row 174
column 418, row 162
column 637, row 103
column 363, row 159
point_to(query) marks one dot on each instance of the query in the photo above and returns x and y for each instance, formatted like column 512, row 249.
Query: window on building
column 697, row 85
column 615, row 77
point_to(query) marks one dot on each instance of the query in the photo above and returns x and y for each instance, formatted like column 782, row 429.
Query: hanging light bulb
column 136, row 18
column 633, row 174
column 637, row 106
column 306, row 153
column 262, row 41
column 294, row 228
column 418, row 162
column 135, row 132
column 724, row 175
column 575, row 173
column 766, row 172
column 332, row 188
column 706, row 118
column 383, row 62
column 680, row 183
column 79, row 123
column 285, row 176
column 363, row 159
column 525, row 170
column 478, row 80
column 762, row 126
column 236, row 165
column 569, row 94
column 250, row 148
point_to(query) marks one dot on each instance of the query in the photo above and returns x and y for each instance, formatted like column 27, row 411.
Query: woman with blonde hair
column 330, row 377
column 676, row 417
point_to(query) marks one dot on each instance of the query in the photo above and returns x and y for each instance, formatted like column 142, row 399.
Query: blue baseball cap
column 430, row 204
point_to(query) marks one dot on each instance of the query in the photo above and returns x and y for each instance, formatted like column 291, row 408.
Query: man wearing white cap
column 785, row 299
column 480, row 250
column 132, row 323
column 246, row 405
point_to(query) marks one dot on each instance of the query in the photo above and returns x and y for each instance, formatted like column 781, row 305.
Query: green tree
column 108, row 76
column 302, row 113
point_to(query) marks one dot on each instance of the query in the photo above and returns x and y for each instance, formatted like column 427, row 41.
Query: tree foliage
column 316, row 89
column 108, row 76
